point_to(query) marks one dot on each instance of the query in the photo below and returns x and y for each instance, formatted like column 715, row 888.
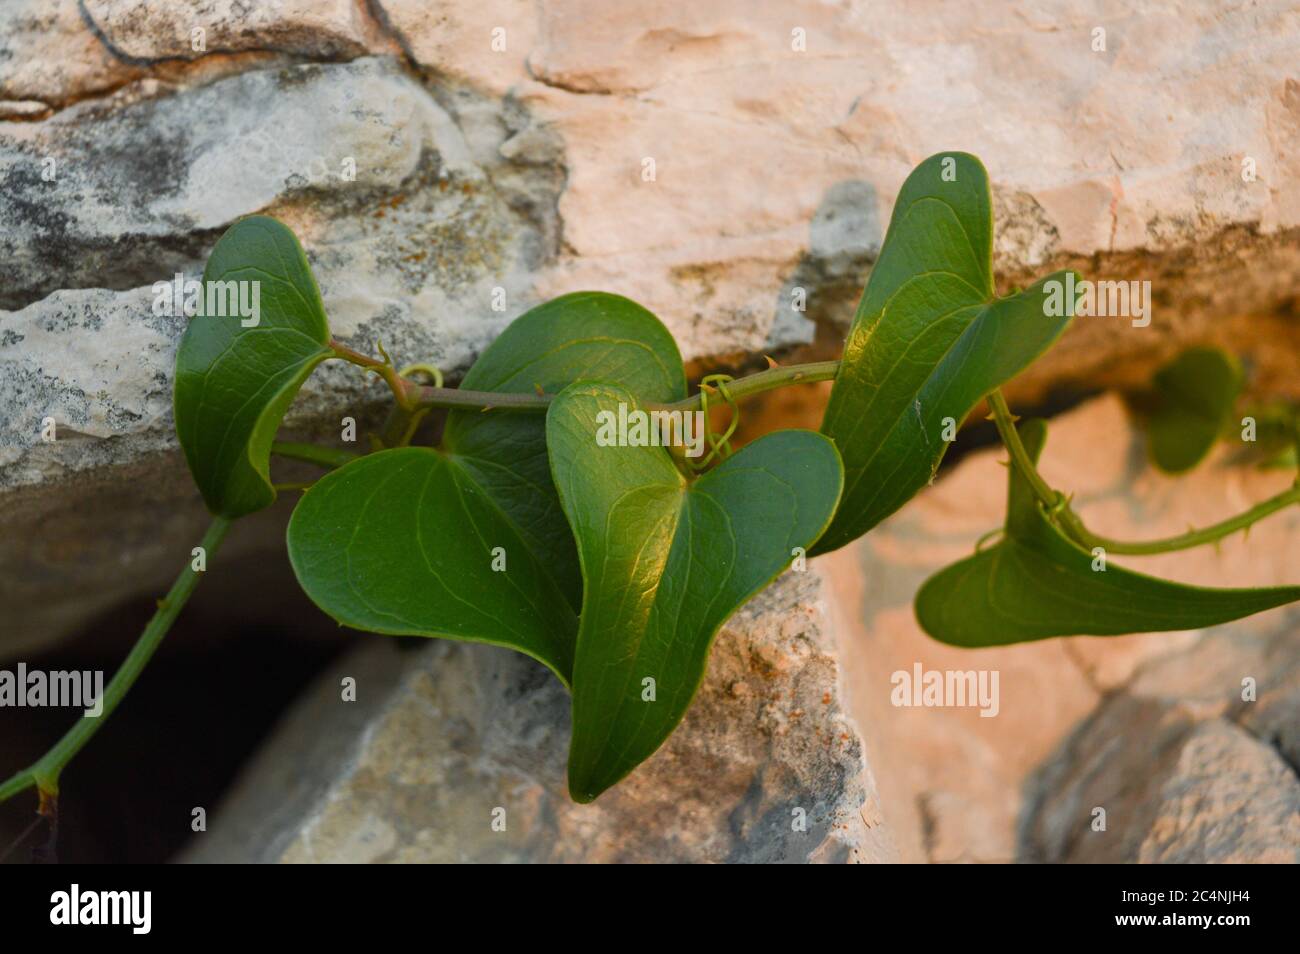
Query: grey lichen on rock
column 412, row 220
column 766, row 767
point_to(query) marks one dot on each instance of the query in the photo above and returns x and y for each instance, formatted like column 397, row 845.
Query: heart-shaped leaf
column 469, row 541
column 236, row 376
column 585, row 335
column 1193, row 401
column 665, row 561
column 1036, row 582
column 928, row 342
column 404, row 542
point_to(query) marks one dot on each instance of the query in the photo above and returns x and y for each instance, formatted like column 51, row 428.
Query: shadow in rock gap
column 234, row 661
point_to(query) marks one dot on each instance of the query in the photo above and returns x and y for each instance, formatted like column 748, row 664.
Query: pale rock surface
column 146, row 32
column 48, row 57
column 1124, row 160
column 1152, row 728
column 1181, row 772
column 442, row 736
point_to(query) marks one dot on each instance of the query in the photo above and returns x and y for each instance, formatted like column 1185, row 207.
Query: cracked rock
column 766, row 767
column 49, row 56
column 411, row 220
column 145, row 32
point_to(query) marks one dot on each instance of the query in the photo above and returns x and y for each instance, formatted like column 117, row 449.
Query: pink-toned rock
column 960, row 787
column 48, row 56
column 1121, row 146
column 145, row 31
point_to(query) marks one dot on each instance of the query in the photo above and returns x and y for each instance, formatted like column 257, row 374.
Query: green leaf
column 665, row 562
column 404, row 541
column 1194, row 397
column 930, row 339
column 1036, row 583
column 234, row 383
column 586, row 335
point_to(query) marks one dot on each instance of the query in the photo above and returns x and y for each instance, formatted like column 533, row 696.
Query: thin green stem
column 313, row 453
column 403, row 390
column 769, row 380
column 1194, row 538
column 740, row 389
column 401, row 425
column 1005, row 422
column 431, row 370
column 411, row 395
column 481, row 400
column 1070, row 522
column 44, row 773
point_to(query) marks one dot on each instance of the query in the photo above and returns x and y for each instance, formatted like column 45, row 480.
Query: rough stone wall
column 707, row 159
column 505, row 145
column 766, row 767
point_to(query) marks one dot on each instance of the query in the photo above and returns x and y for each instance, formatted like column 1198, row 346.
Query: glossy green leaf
column 586, row 335
column 234, row 383
column 1036, row 583
column 405, row 541
column 930, row 339
column 665, row 562
column 1194, row 397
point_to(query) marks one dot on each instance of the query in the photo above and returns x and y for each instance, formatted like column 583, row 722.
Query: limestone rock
column 49, row 56
column 1181, row 791
column 1119, row 148
column 503, row 145
column 442, row 736
column 140, row 31
column 357, row 156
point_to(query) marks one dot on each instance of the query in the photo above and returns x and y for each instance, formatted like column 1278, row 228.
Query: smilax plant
column 615, row 566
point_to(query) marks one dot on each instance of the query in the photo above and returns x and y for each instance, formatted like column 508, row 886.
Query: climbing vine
column 581, row 509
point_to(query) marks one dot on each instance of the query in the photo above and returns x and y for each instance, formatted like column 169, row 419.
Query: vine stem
column 44, row 773
column 328, row 457
column 412, row 395
column 1054, row 501
column 746, row 387
column 1005, row 422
